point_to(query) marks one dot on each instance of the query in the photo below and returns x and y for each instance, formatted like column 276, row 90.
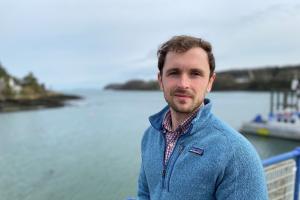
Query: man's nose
column 183, row 81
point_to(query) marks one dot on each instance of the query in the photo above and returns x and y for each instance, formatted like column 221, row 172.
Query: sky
column 88, row 44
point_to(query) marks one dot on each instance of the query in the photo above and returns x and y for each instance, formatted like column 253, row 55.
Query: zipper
column 163, row 177
column 165, row 165
column 181, row 147
column 163, row 162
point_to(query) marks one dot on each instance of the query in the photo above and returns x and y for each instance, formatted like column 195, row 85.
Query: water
column 90, row 149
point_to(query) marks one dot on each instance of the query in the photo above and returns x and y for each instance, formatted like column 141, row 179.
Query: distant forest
column 255, row 79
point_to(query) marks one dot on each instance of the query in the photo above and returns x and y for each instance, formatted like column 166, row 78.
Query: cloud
column 77, row 42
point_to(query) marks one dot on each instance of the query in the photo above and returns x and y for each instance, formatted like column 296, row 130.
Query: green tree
column 30, row 80
column 3, row 72
column 31, row 85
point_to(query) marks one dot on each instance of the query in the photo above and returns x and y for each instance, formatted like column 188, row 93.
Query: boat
column 283, row 120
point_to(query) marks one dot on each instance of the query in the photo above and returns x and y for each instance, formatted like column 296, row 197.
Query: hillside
column 258, row 79
column 251, row 79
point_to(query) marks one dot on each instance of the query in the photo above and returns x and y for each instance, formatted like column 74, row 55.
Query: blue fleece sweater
column 210, row 161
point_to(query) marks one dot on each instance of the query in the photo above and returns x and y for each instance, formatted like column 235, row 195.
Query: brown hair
column 181, row 44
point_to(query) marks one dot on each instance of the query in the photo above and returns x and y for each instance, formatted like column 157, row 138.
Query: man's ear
column 159, row 80
column 210, row 82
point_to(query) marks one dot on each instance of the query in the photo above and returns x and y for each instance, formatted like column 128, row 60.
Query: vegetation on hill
column 27, row 93
column 134, row 85
column 12, row 87
column 256, row 79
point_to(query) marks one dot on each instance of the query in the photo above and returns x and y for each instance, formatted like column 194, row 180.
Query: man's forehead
column 194, row 53
column 180, row 52
column 192, row 57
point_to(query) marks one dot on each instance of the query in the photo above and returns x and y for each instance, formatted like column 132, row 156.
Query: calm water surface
column 90, row 149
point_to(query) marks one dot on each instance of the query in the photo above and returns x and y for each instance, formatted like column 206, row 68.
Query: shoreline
column 51, row 100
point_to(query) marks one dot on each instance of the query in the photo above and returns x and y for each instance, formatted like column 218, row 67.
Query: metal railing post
column 297, row 178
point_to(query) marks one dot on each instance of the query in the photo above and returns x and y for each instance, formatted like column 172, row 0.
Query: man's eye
column 172, row 73
column 196, row 74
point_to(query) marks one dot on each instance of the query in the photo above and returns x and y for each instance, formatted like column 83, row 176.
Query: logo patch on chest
column 197, row 151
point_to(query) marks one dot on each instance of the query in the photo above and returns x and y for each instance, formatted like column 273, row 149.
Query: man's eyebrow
column 173, row 69
column 197, row 70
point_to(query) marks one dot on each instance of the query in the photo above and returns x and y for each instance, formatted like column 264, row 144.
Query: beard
column 183, row 106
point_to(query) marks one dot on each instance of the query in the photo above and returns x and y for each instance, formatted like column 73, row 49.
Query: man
column 187, row 152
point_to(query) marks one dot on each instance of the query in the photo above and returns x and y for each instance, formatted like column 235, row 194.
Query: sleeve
column 243, row 177
column 143, row 190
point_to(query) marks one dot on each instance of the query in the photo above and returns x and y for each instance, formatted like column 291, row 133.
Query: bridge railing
column 282, row 176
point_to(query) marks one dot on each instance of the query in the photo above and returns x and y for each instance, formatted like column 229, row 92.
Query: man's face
column 185, row 79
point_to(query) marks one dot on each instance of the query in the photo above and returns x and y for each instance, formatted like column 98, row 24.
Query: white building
column 15, row 87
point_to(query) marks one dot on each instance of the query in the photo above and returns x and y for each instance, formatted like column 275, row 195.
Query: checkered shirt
column 172, row 136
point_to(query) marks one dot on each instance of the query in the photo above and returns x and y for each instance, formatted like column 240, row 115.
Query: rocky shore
column 45, row 101
column 27, row 93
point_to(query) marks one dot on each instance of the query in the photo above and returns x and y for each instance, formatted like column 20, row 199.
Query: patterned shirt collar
column 172, row 136
column 167, row 122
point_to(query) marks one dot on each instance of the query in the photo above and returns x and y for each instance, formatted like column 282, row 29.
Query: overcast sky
column 81, row 44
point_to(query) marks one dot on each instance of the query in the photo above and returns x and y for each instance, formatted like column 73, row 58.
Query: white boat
column 284, row 121
column 289, row 129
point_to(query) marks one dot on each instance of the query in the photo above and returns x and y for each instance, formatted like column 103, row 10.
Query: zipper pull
column 164, row 173
column 163, row 178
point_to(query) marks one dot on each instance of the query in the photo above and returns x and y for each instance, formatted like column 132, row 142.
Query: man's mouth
column 180, row 95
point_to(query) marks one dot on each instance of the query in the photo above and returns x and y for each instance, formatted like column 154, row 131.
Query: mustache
column 179, row 91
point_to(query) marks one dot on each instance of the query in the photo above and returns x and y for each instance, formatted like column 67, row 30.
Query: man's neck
column 178, row 118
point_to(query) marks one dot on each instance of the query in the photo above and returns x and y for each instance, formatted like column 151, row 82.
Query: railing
column 282, row 175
